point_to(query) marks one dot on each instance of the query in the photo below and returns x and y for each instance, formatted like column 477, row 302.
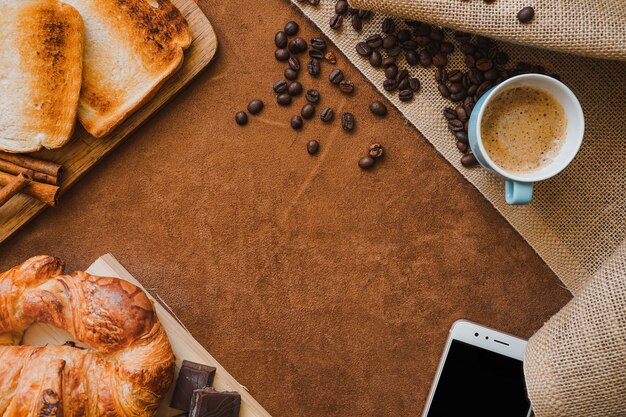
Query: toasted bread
column 41, row 48
column 131, row 48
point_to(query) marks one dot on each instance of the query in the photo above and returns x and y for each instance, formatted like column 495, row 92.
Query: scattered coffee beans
column 378, row 108
column 327, row 115
column 314, row 67
column 281, row 54
column 469, row 160
column 366, row 162
column 283, row 99
column 318, row 44
column 348, row 122
column 297, row 122
column 526, row 14
column 406, row 95
column 294, row 63
column 336, row 76
column 297, row 45
column 291, row 28
column 280, row 86
column 336, row 21
column 312, row 147
column 376, row 150
column 312, row 96
column 255, row 106
column 308, row 111
column 241, row 118
column 331, row 58
column 294, row 89
column 290, row 74
column 341, row 7
column 346, row 87
column 314, row 53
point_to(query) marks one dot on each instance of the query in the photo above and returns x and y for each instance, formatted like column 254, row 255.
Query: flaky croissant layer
column 127, row 368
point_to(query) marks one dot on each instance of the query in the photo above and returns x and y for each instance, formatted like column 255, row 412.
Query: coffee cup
column 519, row 185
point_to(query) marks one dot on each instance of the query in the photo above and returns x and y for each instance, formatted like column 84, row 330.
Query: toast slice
column 41, row 49
column 131, row 48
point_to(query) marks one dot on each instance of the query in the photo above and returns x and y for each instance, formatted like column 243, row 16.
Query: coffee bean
column 291, row 28
column 460, row 113
column 312, row 96
column 290, row 74
column 436, row 35
column 390, row 85
column 468, row 104
column 414, row 84
column 281, row 40
column 409, row 45
column 357, row 22
column 318, row 44
column 312, row 147
column 366, row 162
column 388, row 61
column 526, row 14
column 461, row 146
column 336, row 21
column 297, row 45
column 412, row 58
column 449, row 113
column 335, row 76
column 406, row 95
column 440, row 60
column 314, row 53
column 426, row 59
column 341, row 7
column 283, row 99
column 297, row 122
column 491, row 75
column 404, row 84
column 455, row 76
column 314, row 2
column 391, row 71
column 483, row 88
column 364, row 14
column 378, row 108
column 241, row 118
column 475, row 76
column 363, row 49
column 441, row 76
column 461, row 136
column 308, row 111
column 462, row 37
column 376, row 150
column 422, row 40
column 443, row 90
column 446, row 47
column 458, row 96
column 484, row 64
column 294, row 89
column 395, row 51
column 467, row 48
column 433, row 47
column 468, row 160
column 466, row 81
column 389, row 25
column 330, row 57
column 255, row 106
column 294, row 63
column 403, row 35
column 327, row 115
column 455, row 125
column 502, row 58
column 390, row 41
column 346, row 87
column 374, row 41
column 470, row 62
column 376, row 59
column 314, row 67
column 348, row 122
column 455, row 88
column 402, row 74
column 281, row 54
column 280, row 86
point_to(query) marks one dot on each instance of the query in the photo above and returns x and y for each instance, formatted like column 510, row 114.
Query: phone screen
column 477, row 382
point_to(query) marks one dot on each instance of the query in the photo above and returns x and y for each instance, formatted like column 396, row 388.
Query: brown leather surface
column 326, row 290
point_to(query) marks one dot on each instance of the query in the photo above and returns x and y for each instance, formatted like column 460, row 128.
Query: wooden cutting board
column 183, row 344
column 84, row 151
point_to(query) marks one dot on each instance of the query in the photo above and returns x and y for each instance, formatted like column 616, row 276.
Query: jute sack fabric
column 576, row 364
column 594, row 28
column 576, row 221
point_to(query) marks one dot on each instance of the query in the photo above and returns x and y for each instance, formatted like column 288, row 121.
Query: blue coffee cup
column 518, row 187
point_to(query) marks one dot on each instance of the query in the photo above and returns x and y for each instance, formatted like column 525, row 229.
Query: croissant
column 128, row 364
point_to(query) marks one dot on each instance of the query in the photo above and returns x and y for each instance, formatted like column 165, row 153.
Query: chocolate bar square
column 207, row 402
column 192, row 376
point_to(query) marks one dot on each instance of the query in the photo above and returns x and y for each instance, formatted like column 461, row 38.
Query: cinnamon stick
column 12, row 168
column 45, row 193
column 14, row 186
column 35, row 164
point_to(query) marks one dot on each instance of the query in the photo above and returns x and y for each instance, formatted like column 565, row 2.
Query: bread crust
column 127, row 368
column 132, row 48
column 39, row 109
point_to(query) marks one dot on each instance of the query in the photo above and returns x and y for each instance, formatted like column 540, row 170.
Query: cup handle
column 518, row 193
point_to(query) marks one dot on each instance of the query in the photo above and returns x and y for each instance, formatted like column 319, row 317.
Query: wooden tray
column 84, row 151
column 183, row 344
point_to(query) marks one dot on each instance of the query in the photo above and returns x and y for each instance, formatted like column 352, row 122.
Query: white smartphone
column 480, row 375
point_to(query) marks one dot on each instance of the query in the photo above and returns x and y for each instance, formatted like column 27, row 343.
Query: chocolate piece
column 207, row 402
column 192, row 376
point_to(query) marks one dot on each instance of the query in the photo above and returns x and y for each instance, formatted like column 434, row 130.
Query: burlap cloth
column 577, row 220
